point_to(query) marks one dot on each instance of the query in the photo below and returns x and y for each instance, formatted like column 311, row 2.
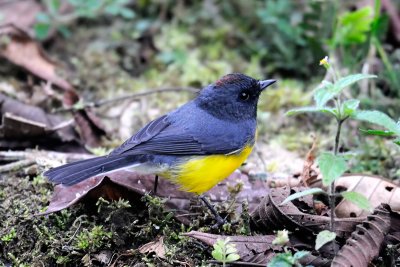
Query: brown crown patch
column 227, row 79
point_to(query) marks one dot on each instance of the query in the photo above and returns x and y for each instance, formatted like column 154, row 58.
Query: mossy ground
column 95, row 234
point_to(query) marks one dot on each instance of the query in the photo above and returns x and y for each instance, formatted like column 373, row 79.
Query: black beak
column 264, row 84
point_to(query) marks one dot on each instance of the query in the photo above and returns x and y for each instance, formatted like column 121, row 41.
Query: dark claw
column 155, row 185
column 217, row 217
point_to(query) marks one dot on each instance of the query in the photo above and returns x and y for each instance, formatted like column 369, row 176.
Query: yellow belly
column 200, row 174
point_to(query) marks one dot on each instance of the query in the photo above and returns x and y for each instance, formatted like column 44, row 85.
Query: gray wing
column 162, row 137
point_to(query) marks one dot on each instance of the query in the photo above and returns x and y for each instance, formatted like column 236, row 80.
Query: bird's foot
column 217, row 217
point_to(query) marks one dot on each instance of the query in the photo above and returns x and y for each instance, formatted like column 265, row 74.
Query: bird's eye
column 244, row 95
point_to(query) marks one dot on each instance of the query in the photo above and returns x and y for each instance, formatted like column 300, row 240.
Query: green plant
column 285, row 259
column 330, row 101
column 10, row 236
column 93, row 239
column 225, row 252
column 53, row 18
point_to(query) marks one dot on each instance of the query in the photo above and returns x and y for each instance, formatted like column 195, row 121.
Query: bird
column 196, row 146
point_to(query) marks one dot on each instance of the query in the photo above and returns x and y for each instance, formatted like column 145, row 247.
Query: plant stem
column 332, row 193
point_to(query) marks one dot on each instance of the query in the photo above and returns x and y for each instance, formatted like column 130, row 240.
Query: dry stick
column 35, row 154
column 17, row 165
column 129, row 96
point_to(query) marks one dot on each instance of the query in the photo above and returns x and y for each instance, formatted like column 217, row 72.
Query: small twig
column 62, row 125
column 126, row 97
column 17, row 165
column 35, row 154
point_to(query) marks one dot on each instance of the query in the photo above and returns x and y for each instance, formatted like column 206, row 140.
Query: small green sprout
column 10, row 236
column 282, row 238
column 225, row 252
column 94, row 239
column 287, row 259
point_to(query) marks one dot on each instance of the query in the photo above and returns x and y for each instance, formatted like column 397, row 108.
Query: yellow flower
column 324, row 61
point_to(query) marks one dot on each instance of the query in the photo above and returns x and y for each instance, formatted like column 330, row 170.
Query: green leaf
column 300, row 254
column 323, row 93
column 230, row 248
column 232, row 257
column 54, row 6
column 218, row 255
column 353, row 27
column 378, row 118
column 41, row 30
column 324, row 237
column 43, row 17
column 126, row 13
column 297, row 111
column 358, row 199
column 377, row 132
column 350, row 106
column 397, row 142
column 331, row 166
column 64, row 31
column 349, row 80
column 328, row 91
column 282, row 260
column 306, row 192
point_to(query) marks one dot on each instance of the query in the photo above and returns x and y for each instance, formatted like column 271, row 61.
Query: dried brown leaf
column 23, row 51
column 365, row 242
column 271, row 216
column 20, row 121
column 157, row 246
column 377, row 189
column 310, row 172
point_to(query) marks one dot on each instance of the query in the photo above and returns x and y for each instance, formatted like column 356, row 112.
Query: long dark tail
column 73, row 173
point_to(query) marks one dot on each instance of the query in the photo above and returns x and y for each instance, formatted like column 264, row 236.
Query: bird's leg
column 217, row 217
column 155, row 185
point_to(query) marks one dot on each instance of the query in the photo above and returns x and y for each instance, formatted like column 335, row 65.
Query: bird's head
column 234, row 97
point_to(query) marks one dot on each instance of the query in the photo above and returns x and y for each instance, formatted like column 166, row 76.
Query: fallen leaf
column 21, row 13
column 365, row 242
column 157, row 246
column 376, row 189
column 323, row 238
column 23, row 51
column 270, row 216
column 21, row 122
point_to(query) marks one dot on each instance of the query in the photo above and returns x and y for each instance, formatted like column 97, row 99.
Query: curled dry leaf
column 157, row 246
column 310, row 172
column 259, row 249
column 20, row 122
column 271, row 216
column 377, row 189
column 365, row 242
column 23, row 51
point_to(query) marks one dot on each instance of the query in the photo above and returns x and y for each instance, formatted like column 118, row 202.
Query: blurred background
column 69, row 58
